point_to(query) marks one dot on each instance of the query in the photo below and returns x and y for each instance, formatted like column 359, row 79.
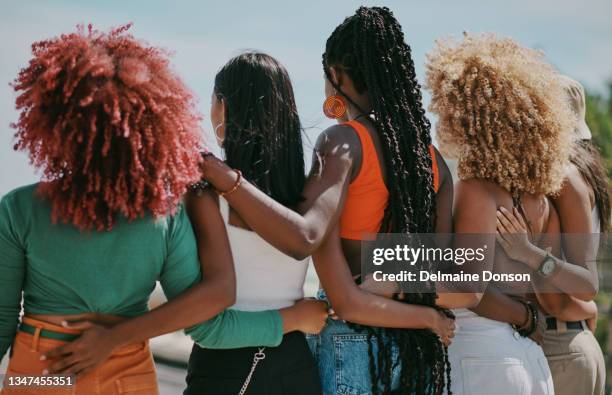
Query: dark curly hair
column 113, row 129
column 370, row 47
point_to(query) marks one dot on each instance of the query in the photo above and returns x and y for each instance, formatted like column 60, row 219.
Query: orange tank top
column 368, row 196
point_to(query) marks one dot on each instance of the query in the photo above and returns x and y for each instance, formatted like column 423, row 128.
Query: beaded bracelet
column 518, row 328
column 533, row 319
column 201, row 186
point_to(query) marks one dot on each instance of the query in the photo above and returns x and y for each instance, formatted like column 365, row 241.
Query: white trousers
column 489, row 358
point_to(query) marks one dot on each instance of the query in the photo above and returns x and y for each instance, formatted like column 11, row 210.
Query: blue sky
column 575, row 35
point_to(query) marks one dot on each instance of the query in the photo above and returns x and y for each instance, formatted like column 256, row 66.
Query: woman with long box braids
column 376, row 172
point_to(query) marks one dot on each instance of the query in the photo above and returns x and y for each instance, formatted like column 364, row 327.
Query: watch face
column 548, row 267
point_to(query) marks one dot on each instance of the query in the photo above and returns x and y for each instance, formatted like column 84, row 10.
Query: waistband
column 553, row 324
column 468, row 318
column 37, row 331
column 469, row 323
column 67, row 337
column 292, row 355
column 48, row 330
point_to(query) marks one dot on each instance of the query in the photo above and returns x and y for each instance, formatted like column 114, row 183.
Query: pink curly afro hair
column 112, row 128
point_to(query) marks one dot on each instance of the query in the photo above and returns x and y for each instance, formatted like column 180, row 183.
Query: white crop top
column 266, row 278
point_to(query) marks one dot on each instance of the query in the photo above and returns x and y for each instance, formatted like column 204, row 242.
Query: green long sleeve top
column 61, row 270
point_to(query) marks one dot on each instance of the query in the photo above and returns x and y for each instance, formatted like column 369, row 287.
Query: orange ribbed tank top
column 367, row 195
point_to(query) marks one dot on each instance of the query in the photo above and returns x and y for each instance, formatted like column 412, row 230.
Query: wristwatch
column 548, row 265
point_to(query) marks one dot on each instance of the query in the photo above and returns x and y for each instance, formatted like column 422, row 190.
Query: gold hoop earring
column 219, row 139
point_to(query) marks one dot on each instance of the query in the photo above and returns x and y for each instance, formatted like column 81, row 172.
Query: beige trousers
column 576, row 362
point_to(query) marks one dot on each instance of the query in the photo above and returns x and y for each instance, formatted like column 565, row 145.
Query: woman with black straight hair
column 377, row 172
column 261, row 135
column 254, row 115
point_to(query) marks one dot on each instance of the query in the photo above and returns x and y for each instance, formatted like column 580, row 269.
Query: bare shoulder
column 574, row 187
column 476, row 195
column 475, row 206
column 476, row 189
column 206, row 197
column 337, row 140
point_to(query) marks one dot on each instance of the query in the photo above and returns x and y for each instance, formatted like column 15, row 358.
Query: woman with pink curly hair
column 116, row 136
column 98, row 113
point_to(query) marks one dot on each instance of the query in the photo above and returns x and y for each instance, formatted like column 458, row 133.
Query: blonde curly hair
column 502, row 112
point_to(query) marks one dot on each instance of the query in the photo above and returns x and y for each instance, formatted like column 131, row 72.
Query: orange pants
column 129, row 370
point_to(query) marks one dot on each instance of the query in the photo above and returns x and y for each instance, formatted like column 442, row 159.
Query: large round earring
column 219, row 139
column 334, row 107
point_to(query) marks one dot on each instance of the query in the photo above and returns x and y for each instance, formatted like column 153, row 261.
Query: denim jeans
column 342, row 357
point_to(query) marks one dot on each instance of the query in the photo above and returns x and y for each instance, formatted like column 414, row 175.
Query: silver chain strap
column 259, row 356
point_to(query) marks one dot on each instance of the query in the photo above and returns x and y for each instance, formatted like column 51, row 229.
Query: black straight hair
column 263, row 134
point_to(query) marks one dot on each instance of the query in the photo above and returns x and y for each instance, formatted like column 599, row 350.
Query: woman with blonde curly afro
column 116, row 136
column 503, row 114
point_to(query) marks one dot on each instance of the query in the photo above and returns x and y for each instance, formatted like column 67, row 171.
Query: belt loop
column 36, row 338
column 561, row 326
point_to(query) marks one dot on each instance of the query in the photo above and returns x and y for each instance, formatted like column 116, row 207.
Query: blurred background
column 202, row 35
